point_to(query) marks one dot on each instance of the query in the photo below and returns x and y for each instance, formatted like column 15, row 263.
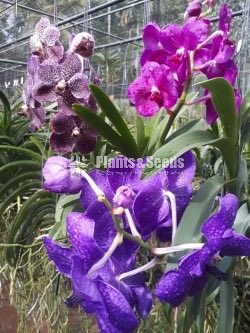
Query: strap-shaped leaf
column 195, row 139
column 14, row 182
column 110, row 110
column 21, row 152
column 7, row 110
column 245, row 108
column 227, row 305
column 223, row 99
column 22, row 190
column 95, row 122
column 198, row 211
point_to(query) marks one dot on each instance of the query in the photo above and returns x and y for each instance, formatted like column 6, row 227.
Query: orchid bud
column 83, row 44
column 58, row 176
column 194, row 9
column 211, row 3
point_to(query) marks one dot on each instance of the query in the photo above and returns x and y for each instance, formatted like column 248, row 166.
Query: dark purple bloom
column 195, row 268
column 100, row 292
column 153, row 89
column 59, row 176
column 69, row 133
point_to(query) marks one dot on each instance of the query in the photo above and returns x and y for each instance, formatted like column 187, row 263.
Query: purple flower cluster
column 55, row 75
column 97, row 257
column 105, row 239
column 173, row 55
column 194, row 268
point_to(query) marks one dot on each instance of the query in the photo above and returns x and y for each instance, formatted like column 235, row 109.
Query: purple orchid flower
column 195, row 268
column 123, row 187
column 215, row 60
column 98, row 292
column 59, row 176
column 154, row 89
column 70, row 133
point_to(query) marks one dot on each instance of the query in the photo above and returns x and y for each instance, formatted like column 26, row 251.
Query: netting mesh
column 117, row 29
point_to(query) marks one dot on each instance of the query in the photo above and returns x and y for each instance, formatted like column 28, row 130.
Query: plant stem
column 180, row 103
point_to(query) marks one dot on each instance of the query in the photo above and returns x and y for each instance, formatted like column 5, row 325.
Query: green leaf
column 242, row 221
column 245, row 108
column 194, row 139
column 94, row 121
column 17, row 227
column 223, row 99
column 198, row 211
column 40, row 146
column 22, row 152
column 22, row 164
column 195, row 311
column 18, row 180
column 22, row 190
column 113, row 115
column 140, row 134
column 227, row 305
column 193, row 125
column 7, row 110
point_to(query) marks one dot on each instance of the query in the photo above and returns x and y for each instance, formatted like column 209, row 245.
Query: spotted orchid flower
column 195, row 268
column 64, row 79
column 45, row 41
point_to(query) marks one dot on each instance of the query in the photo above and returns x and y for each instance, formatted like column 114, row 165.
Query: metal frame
column 80, row 15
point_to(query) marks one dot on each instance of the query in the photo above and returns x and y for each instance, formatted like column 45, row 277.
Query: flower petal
column 220, row 222
column 151, row 36
column 78, row 86
column 50, row 35
column 148, row 203
column 118, row 309
column 71, row 65
column 238, row 245
column 80, row 229
column 49, row 72
column 61, row 256
column 62, row 143
column 62, row 123
column 85, row 143
column 173, row 287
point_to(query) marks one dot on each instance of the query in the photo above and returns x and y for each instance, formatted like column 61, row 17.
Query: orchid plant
column 135, row 209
